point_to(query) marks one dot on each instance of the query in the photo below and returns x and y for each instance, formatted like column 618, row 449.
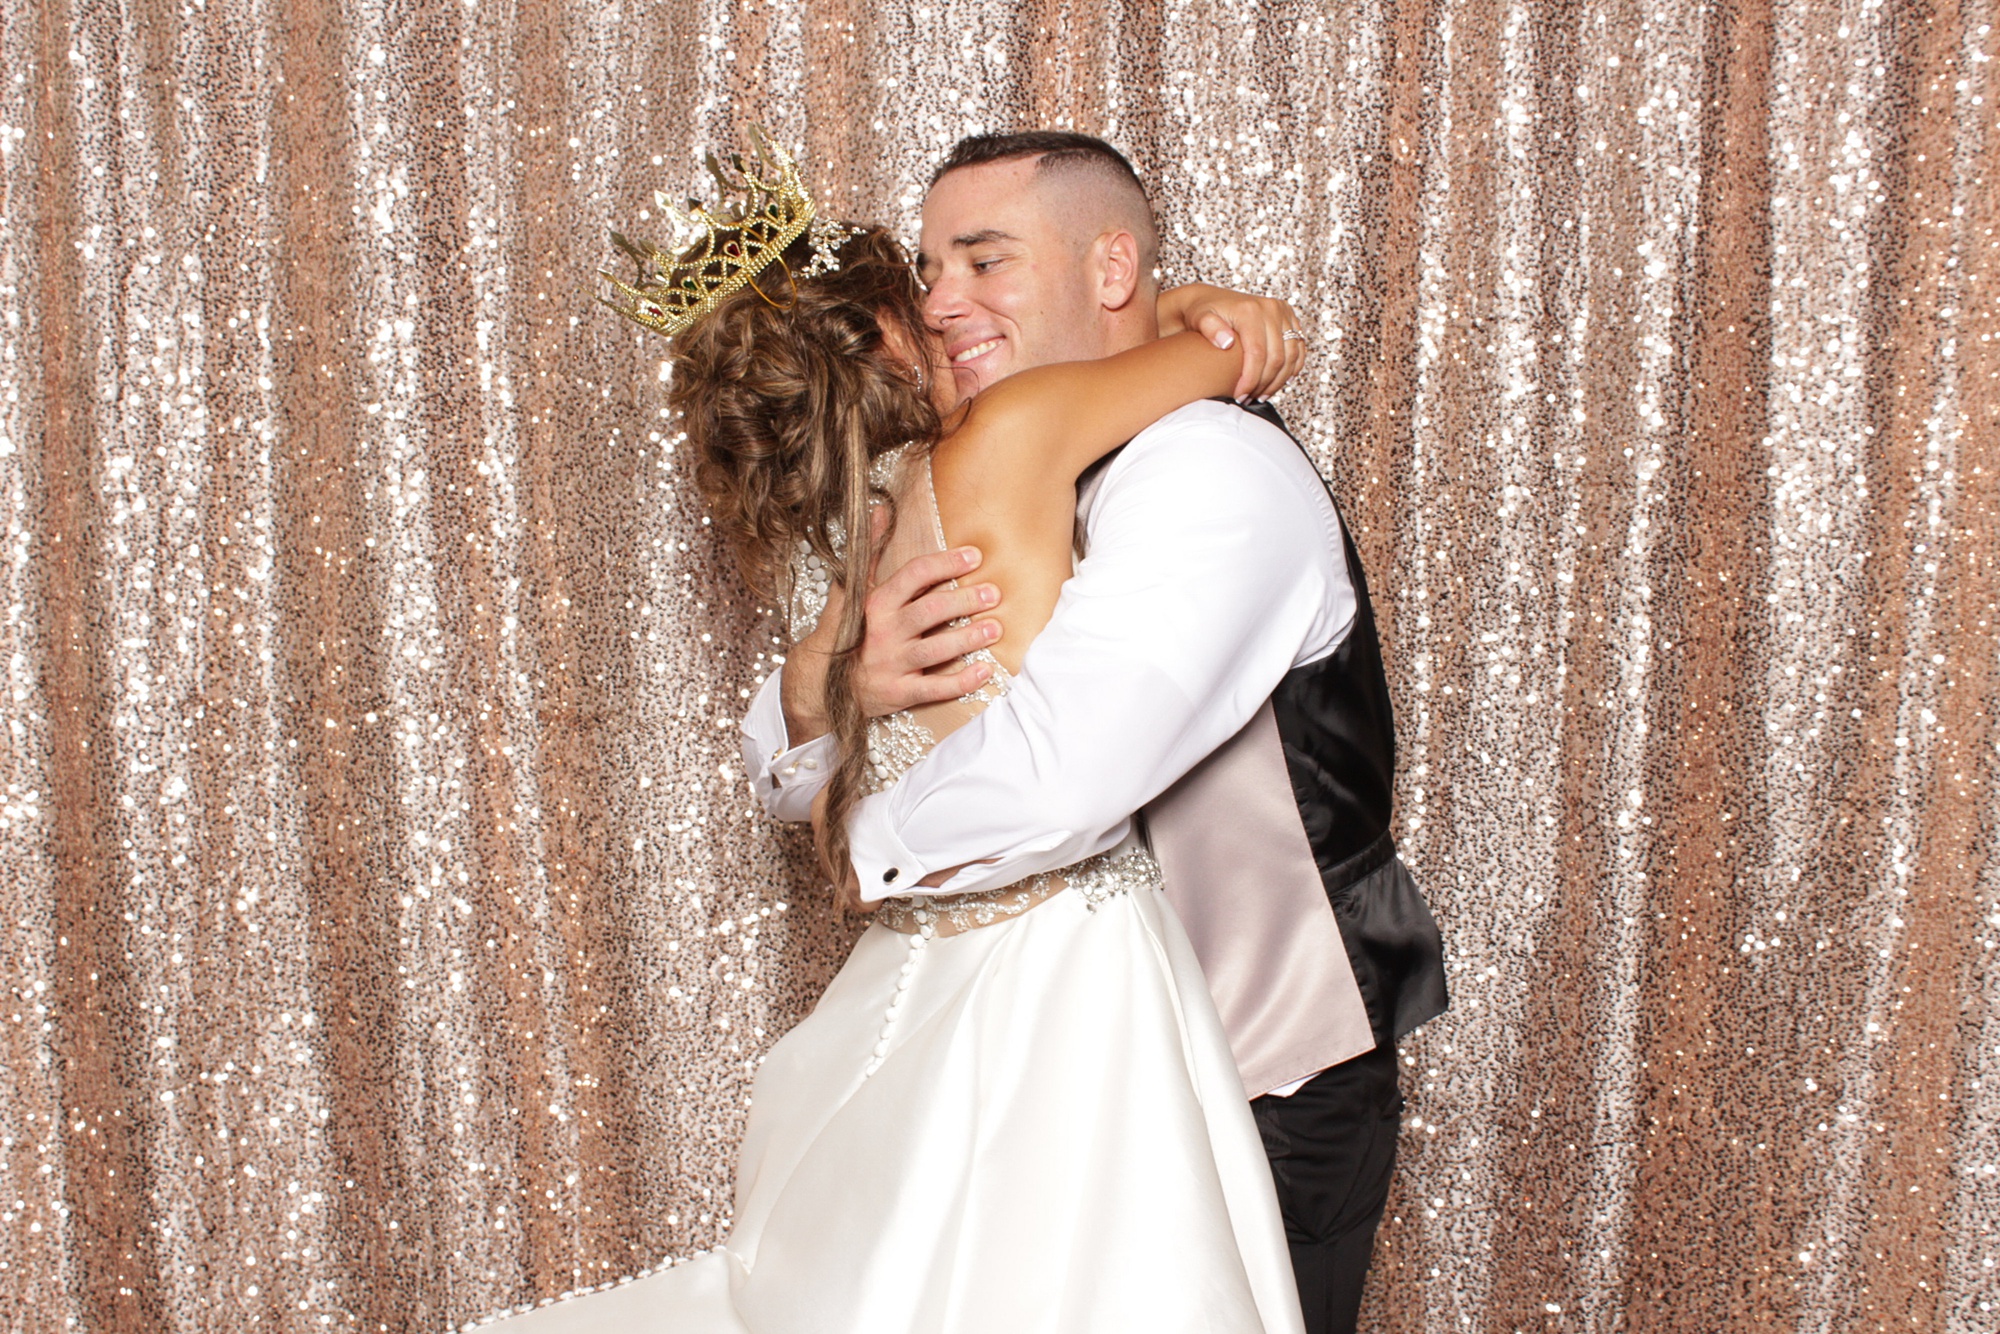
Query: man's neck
column 1110, row 333
column 1135, row 326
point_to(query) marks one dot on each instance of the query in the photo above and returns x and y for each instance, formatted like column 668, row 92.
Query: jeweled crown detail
column 719, row 248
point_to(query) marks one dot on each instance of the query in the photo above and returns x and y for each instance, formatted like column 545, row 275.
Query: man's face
column 1008, row 289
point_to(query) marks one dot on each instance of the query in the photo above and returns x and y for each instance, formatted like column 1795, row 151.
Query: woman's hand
column 1225, row 318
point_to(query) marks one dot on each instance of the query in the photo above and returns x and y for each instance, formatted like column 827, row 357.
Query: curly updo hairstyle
column 787, row 402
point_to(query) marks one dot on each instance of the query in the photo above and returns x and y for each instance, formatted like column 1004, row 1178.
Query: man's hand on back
column 908, row 643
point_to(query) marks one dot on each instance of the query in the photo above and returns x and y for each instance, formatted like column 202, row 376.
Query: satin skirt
column 1047, row 1134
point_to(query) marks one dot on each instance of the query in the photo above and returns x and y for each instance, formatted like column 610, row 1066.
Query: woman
column 1012, row 1110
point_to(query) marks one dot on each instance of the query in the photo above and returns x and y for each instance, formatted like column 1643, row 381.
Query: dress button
column 791, row 771
column 889, row 876
column 812, row 764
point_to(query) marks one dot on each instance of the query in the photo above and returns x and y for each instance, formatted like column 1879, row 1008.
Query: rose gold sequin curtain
column 389, row 938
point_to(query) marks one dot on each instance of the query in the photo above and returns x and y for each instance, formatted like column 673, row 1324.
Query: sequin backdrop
column 389, row 937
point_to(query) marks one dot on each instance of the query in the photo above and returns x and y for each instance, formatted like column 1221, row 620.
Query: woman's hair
column 788, row 401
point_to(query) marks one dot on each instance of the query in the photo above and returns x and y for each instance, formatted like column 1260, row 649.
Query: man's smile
column 979, row 349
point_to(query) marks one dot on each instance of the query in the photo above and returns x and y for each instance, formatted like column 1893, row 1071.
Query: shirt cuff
column 785, row 778
column 885, row 866
column 882, row 864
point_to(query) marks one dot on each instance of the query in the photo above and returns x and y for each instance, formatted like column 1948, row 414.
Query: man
column 1213, row 661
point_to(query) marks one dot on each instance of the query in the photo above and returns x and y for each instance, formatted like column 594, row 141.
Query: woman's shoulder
column 981, row 454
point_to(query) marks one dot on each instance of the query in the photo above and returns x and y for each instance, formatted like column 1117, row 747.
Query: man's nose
column 942, row 305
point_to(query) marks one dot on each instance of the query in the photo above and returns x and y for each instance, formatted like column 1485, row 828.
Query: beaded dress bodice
column 899, row 740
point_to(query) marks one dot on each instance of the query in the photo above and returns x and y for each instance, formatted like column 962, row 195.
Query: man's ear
column 1118, row 269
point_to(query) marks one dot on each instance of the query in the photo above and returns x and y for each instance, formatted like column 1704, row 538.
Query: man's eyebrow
column 927, row 261
column 982, row 237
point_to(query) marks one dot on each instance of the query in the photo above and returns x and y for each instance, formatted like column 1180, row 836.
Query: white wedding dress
column 1011, row 1113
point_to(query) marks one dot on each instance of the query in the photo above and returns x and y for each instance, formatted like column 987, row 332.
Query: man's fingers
column 969, row 678
column 950, row 645
column 897, row 655
column 936, row 688
column 919, row 573
column 943, row 605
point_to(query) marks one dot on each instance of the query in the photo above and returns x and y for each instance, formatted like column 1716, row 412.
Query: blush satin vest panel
column 1278, row 855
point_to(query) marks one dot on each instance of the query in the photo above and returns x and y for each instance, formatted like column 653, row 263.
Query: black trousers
column 1332, row 1146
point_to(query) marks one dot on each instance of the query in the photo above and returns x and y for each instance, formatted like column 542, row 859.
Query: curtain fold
column 391, row 936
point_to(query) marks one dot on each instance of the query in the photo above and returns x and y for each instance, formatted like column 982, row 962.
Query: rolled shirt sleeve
column 1214, row 567
column 784, row 778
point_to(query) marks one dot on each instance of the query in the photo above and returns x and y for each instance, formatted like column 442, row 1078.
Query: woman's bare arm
column 1061, row 418
column 1274, row 348
column 1006, row 477
column 912, row 656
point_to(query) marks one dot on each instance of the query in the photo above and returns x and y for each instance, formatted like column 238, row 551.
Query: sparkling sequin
column 390, row 937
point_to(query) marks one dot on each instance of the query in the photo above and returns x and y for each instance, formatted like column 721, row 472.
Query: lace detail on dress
column 809, row 582
column 807, row 592
column 953, row 914
column 895, row 743
column 1110, row 874
column 1094, row 879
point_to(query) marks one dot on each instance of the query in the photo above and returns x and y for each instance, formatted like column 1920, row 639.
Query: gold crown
column 720, row 248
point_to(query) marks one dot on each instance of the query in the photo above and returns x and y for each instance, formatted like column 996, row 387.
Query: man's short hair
column 1061, row 153
column 1056, row 149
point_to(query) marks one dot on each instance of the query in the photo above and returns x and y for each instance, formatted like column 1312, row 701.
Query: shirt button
column 812, row 764
column 791, row 770
column 889, row 876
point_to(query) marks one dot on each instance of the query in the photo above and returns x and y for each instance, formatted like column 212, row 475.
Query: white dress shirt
column 1214, row 567
column 784, row 777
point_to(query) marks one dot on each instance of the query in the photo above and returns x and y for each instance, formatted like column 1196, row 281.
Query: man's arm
column 1214, row 566
column 910, row 644
column 784, row 777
